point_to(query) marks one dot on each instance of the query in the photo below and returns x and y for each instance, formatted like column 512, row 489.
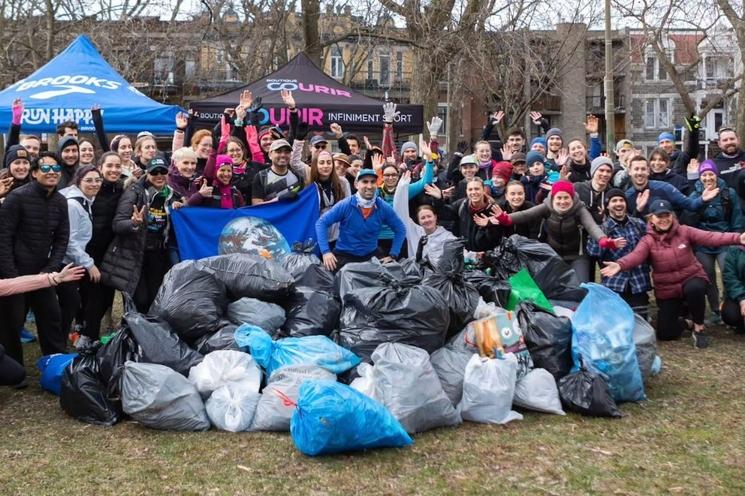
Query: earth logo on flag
column 254, row 236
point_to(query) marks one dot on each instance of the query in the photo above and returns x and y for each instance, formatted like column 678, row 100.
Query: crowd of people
column 94, row 216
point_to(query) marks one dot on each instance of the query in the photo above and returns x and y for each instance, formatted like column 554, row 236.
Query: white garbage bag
column 538, row 391
column 232, row 407
column 488, row 389
column 223, row 367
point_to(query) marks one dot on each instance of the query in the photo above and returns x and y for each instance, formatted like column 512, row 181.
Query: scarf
column 484, row 165
column 239, row 170
column 362, row 203
column 327, row 194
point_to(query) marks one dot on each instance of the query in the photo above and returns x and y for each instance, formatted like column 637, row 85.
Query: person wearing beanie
column 659, row 167
column 721, row 214
column 535, row 180
column 538, row 145
column 519, row 166
column 565, row 222
column 679, row 159
column 632, row 285
column 16, row 172
column 554, row 143
column 408, row 152
column 680, row 282
column 501, row 173
column 592, row 192
column 216, row 187
column 68, row 156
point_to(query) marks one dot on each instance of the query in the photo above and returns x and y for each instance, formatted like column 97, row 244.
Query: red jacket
column 671, row 256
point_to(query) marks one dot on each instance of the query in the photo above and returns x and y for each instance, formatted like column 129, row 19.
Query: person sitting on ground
column 361, row 218
column 565, row 220
column 633, row 284
column 733, row 275
column 679, row 279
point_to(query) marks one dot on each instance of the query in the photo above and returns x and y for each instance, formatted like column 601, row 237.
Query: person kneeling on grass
column 733, row 275
column 361, row 218
column 678, row 276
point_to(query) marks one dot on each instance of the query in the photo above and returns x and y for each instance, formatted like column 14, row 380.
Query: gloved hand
column 693, row 122
column 254, row 116
column 434, row 126
column 389, row 112
column 301, row 131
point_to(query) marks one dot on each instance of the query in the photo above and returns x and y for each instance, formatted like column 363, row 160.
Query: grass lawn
column 688, row 438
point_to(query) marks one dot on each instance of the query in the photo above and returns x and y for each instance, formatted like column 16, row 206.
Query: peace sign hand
column 138, row 216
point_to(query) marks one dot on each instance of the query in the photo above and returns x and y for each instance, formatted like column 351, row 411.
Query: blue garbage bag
column 333, row 418
column 52, row 368
column 603, row 335
column 307, row 350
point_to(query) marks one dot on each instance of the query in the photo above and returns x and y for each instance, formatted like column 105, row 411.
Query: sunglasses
column 320, row 147
column 46, row 169
column 158, row 172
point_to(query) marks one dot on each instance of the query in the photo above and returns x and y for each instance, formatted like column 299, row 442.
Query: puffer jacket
column 733, row 274
column 671, row 256
column 33, row 231
column 477, row 238
column 80, row 215
column 722, row 214
column 104, row 209
column 565, row 233
column 122, row 265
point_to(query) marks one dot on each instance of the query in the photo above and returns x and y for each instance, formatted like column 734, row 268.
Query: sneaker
column 27, row 336
column 700, row 339
column 714, row 319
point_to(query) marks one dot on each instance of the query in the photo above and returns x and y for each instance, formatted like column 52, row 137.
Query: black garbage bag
column 302, row 256
column 224, row 339
column 83, row 395
column 159, row 344
column 313, row 308
column 111, row 357
column 587, row 393
column 461, row 295
column 378, row 307
column 548, row 338
column 491, row 289
column 191, row 299
column 268, row 316
column 251, row 276
column 556, row 279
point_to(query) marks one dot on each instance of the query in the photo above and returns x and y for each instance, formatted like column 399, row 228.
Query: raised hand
column 182, row 120
column 224, row 127
column 288, row 99
column 562, row 157
column 17, row 110
column 692, row 166
column 337, row 130
column 448, row 192
column 496, row 117
column 138, row 216
column 536, row 118
column 95, row 107
column 205, row 190
column 564, row 172
column 368, row 146
column 434, row 126
column 424, row 150
column 246, row 99
column 591, row 126
column 642, row 199
column 496, row 210
column 709, row 194
column 432, row 190
column 481, row 220
column 378, row 161
column 610, row 269
column 389, row 112
column 240, row 113
column 506, row 153
column 462, row 146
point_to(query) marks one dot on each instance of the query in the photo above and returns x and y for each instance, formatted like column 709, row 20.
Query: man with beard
column 633, row 285
column 730, row 160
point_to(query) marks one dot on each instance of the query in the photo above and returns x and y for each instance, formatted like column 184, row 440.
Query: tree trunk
column 311, row 15
column 425, row 82
column 740, row 113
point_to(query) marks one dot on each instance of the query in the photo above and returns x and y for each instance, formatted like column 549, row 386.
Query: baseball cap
column 660, row 207
column 365, row 173
column 277, row 144
column 157, row 163
column 468, row 160
column 317, row 139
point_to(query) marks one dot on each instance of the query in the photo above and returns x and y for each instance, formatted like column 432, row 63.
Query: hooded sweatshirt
column 67, row 170
column 80, row 215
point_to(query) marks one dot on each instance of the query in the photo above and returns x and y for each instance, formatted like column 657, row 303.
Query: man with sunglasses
column 278, row 182
column 34, row 232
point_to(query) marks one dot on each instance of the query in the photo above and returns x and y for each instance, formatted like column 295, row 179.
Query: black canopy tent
column 321, row 100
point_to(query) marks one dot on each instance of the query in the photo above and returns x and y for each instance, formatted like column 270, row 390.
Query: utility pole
column 610, row 119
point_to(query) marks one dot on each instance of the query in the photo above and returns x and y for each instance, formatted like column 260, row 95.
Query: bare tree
column 737, row 21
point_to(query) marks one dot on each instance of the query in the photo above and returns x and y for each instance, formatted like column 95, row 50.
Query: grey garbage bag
column 251, row 276
column 268, row 316
column 231, row 408
column 277, row 403
column 223, row 367
column 537, row 391
column 646, row 344
column 159, row 344
column 450, row 366
column 404, row 381
column 224, row 339
column 161, row 398
column 488, row 390
column 191, row 300
column 300, row 258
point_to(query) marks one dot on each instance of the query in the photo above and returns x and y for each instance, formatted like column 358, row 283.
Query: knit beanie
column 624, row 143
column 534, row 157
column 599, row 161
column 223, row 160
column 562, row 186
column 665, row 137
column 14, row 153
column 503, row 170
column 554, row 131
column 538, row 141
column 409, row 145
column 708, row 165
column 613, row 193
column 66, row 141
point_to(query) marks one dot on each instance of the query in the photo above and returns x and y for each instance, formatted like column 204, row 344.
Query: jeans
column 708, row 262
column 583, row 267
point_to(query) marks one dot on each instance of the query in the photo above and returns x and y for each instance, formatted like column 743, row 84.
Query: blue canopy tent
column 66, row 88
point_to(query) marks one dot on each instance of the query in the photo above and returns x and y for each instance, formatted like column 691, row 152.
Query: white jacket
column 81, row 227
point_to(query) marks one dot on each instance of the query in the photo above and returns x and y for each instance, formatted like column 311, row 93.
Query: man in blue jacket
column 361, row 218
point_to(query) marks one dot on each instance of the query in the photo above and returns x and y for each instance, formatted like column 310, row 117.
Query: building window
column 663, row 114
column 650, row 68
column 385, row 69
column 370, row 67
column 649, row 114
column 657, row 113
column 399, row 66
column 337, row 63
column 654, row 70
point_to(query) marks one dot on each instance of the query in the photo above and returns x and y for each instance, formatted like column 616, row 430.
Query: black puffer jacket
column 477, row 238
column 34, row 230
column 122, row 263
column 104, row 209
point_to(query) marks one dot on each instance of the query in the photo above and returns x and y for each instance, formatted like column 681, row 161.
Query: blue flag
column 268, row 229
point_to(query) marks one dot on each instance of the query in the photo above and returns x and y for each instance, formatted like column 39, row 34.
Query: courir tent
column 66, row 88
column 321, row 99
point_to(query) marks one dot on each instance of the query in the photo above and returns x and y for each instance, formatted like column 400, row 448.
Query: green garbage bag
column 524, row 288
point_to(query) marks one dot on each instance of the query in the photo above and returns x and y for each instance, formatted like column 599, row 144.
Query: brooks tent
column 321, row 100
column 66, row 88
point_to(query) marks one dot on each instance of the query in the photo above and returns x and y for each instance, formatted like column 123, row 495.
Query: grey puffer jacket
column 565, row 233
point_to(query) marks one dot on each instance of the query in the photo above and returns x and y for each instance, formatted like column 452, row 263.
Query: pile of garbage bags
column 363, row 358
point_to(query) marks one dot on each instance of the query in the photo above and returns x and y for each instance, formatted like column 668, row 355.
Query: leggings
column 669, row 325
column 11, row 372
column 52, row 339
column 582, row 267
column 709, row 263
column 731, row 315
